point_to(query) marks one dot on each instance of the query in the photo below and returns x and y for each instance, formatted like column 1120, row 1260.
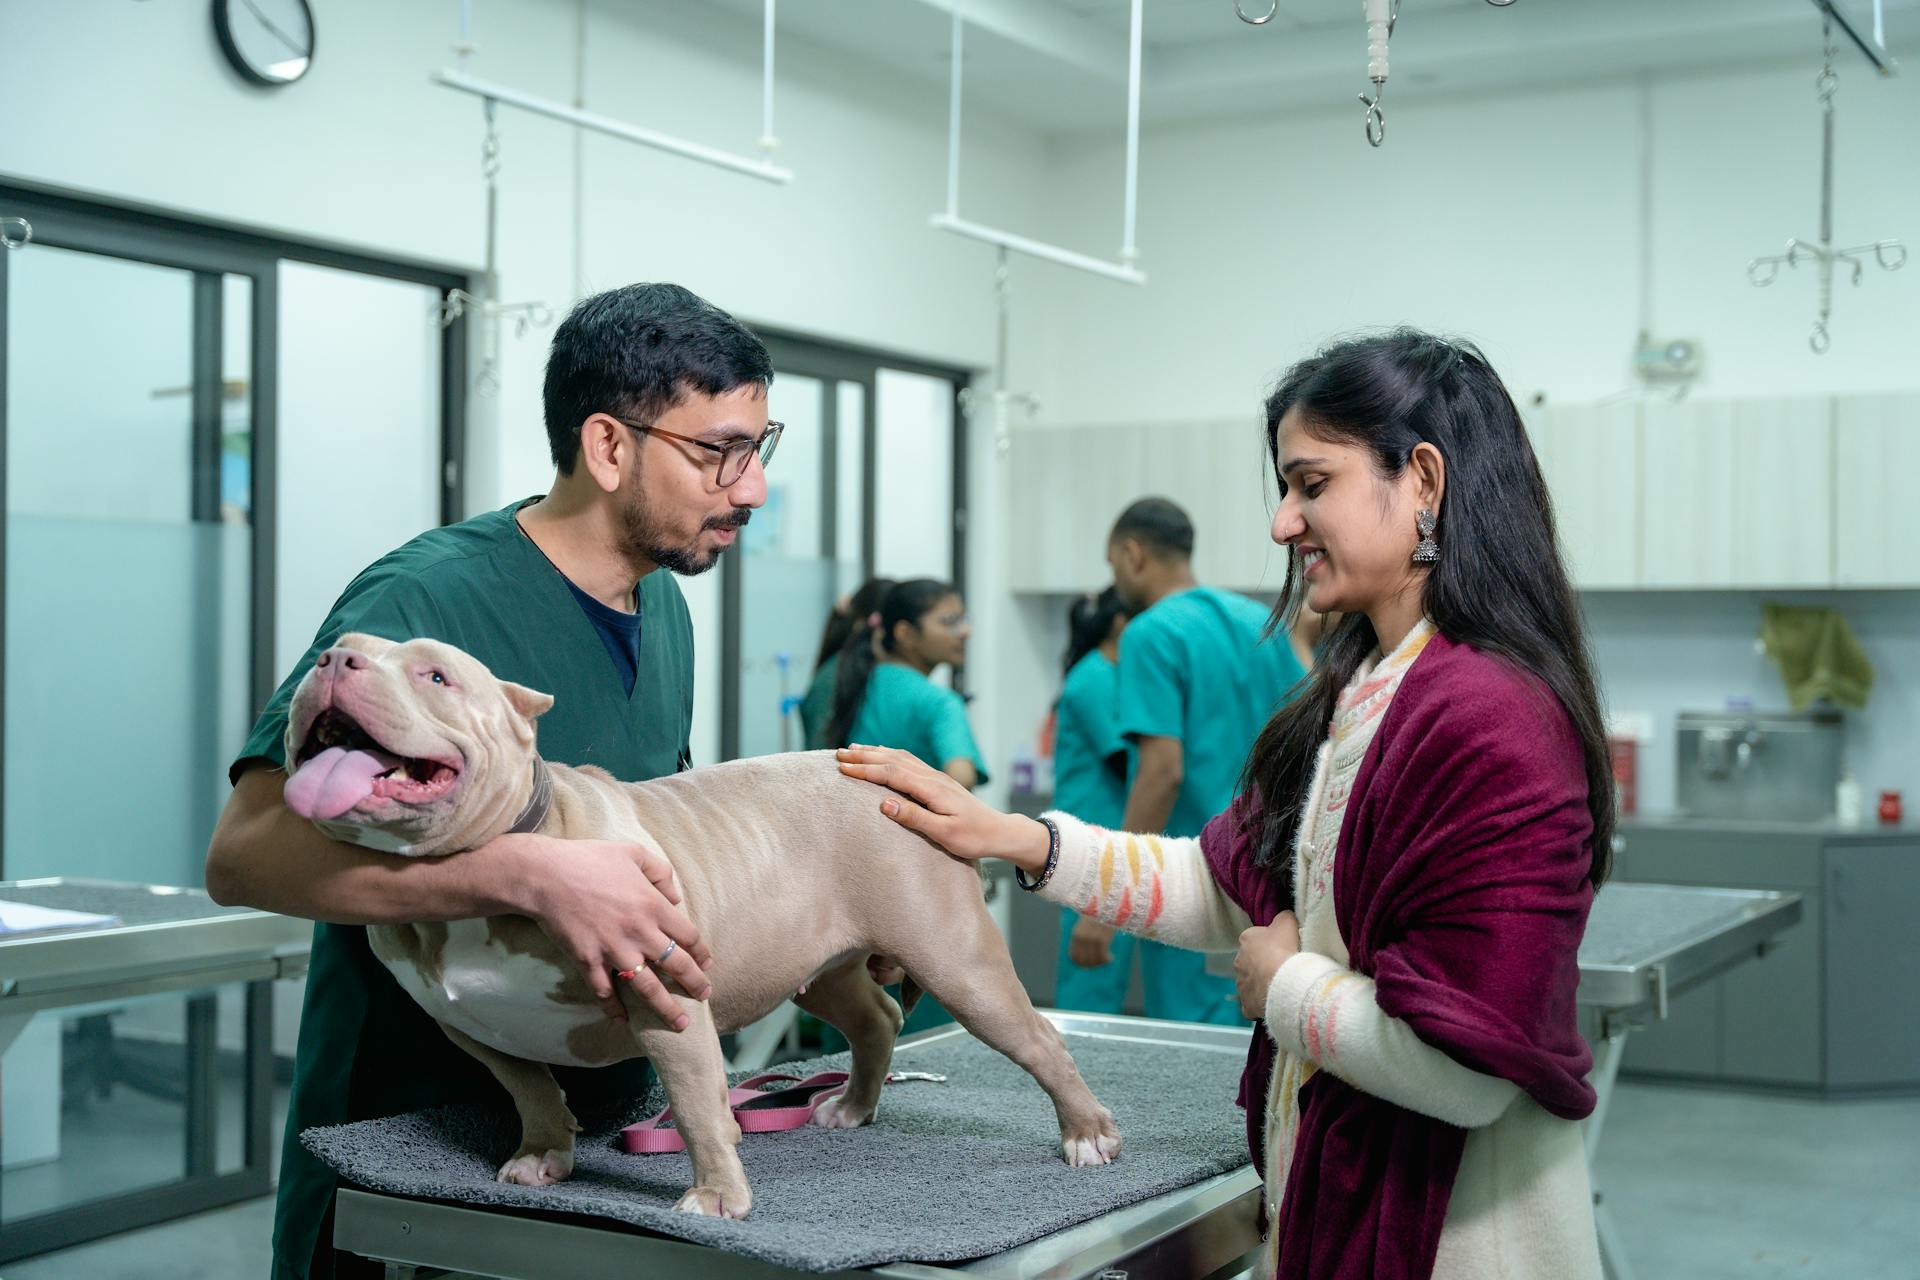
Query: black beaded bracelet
column 1053, row 860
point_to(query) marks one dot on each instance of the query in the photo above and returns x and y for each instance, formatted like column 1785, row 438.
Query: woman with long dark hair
column 848, row 611
column 1407, row 871
column 883, row 694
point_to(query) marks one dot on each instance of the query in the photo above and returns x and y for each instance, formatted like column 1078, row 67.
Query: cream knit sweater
column 1521, row 1208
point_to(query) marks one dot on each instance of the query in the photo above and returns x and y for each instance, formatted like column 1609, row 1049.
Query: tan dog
column 788, row 870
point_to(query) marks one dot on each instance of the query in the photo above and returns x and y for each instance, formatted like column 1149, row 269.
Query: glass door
column 128, row 563
column 866, row 481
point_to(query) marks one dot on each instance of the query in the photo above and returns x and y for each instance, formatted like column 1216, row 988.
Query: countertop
column 1872, row 831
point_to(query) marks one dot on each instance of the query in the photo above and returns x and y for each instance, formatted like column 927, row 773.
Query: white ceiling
column 1061, row 65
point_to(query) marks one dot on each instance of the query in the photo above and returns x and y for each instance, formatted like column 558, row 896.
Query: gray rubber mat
column 946, row 1172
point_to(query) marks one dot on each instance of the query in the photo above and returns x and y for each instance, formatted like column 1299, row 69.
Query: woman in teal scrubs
column 1090, row 759
column 883, row 695
column 817, row 706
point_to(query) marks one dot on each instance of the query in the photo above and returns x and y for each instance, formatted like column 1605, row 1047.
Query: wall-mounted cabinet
column 1066, row 485
column 1876, row 457
column 1590, row 456
column 1737, row 493
column 1788, row 493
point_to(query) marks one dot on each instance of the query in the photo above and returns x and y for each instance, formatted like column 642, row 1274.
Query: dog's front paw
column 1098, row 1144
column 537, row 1168
column 837, row 1113
column 711, row 1202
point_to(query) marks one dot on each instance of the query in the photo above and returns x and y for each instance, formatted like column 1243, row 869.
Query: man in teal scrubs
column 656, row 417
column 1198, row 678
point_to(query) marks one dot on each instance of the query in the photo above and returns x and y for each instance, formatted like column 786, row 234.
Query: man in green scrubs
column 1198, row 679
column 656, row 416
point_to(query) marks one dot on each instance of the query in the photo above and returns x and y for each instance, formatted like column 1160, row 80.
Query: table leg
column 203, row 1083
column 1606, row 1072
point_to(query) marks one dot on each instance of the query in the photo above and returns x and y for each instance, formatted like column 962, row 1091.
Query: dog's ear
column 530, row 703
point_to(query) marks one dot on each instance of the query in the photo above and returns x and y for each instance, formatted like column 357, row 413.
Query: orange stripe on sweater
column 1126, row 908
column 1133, row 860
column 1154, row 906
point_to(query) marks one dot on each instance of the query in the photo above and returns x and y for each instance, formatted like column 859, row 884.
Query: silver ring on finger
column 672, row 946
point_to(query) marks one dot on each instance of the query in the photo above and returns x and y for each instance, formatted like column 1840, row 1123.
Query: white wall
column 1512, row 220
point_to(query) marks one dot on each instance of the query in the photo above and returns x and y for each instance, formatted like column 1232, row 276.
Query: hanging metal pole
column 1129, row 251
column 1890, row 254
column 953, row 116
column 768, row 139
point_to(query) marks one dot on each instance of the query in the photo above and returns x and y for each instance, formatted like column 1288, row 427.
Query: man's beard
column 646, row 538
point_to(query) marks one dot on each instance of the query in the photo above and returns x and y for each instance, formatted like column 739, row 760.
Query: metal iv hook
column 1376, row 122
column 1273, row 7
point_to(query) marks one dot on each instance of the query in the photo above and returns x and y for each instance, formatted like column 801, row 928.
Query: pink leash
column 756, row 1110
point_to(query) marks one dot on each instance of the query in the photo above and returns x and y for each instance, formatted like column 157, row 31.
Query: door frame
column 834, row 362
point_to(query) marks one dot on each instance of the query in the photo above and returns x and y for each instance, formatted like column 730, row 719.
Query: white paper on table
column 24, row 917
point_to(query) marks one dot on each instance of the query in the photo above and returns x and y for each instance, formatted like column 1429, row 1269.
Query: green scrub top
column 366, row 1049
column 904, row 709
column 1086, row 739
column 1195, row 667
column 817, row 707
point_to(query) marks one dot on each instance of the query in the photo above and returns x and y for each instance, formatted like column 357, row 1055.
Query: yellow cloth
column 1817, row 654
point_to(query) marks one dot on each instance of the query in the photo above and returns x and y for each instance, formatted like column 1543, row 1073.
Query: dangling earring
column 1428, row 552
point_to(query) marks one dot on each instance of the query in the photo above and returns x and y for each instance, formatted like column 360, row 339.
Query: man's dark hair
column 638, row 351
column 1157, row 524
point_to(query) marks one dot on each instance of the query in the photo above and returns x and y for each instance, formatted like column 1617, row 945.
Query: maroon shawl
column 1460, row 887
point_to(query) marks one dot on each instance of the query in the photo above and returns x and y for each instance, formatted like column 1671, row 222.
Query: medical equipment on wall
column 15, row 233
column 486, row 304
column 1124, row 271
column 1890, row 254
column 1381, row 18
column 1000, row 398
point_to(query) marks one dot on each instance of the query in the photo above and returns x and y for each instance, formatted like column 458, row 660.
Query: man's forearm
column 267, row 857
column 1150, row 802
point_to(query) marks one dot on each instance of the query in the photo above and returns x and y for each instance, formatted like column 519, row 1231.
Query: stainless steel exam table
column 166, row 939
column 1644, row 944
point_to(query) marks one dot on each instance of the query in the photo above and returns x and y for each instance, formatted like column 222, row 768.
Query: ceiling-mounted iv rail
column 762, row 168
column 1123, row 270
column 1891, row 255
column 1872, row 43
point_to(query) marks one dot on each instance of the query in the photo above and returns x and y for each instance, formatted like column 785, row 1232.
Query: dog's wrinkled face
column 411, row 748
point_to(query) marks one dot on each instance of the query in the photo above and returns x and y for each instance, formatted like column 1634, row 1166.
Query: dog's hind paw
column 837, row 1113
column 710, row 1202
column 537, row 1168
column 1084, row 1150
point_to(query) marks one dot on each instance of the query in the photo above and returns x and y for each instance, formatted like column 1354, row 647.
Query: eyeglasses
column 733, row 456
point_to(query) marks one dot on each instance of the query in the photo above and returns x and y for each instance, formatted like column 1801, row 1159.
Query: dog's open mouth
column 340, row 766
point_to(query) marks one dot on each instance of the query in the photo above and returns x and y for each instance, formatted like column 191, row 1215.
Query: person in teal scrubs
column 656, row 416
column 1090, row 760
column 883, row 695
column 1198, row 676
column 817, row 706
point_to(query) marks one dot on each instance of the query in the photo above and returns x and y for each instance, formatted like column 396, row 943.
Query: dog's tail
column 909, row 995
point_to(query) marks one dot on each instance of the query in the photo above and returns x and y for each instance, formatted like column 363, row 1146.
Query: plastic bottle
column 1849, row 804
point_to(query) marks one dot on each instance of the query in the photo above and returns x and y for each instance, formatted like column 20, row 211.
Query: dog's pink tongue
column 333, row 782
